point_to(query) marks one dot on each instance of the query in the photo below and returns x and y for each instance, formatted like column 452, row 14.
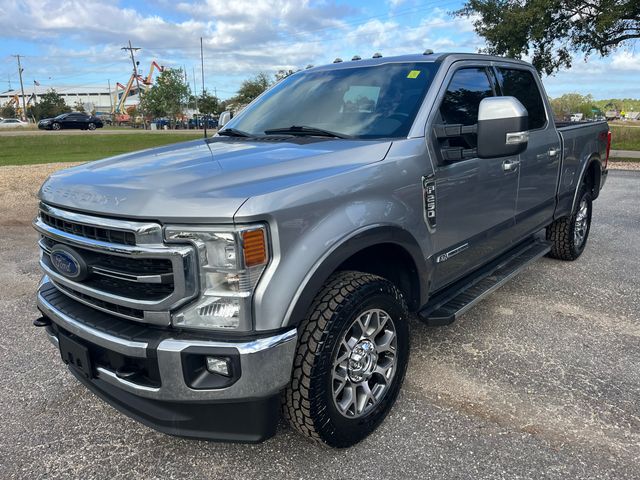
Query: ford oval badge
column 68, row 262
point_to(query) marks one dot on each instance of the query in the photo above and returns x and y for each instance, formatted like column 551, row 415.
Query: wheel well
column 390, row 261
column 592, row 177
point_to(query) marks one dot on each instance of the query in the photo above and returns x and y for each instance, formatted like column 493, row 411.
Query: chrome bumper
column 265, row 363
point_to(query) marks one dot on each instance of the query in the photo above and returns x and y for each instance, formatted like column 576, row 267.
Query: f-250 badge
column 429, row 190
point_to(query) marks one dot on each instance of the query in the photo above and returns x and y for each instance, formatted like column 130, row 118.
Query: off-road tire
column 308, row 403
column 561, row 232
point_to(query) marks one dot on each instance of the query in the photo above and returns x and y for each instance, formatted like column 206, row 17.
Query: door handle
column 510, row 165
column 553, row 152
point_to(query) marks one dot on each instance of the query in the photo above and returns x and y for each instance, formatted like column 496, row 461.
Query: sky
column 78, row 42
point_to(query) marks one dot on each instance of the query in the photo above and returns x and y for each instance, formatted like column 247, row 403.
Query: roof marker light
column 337, row 60
column 356, row 57
column 428, row 51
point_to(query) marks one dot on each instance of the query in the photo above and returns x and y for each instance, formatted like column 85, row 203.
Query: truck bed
column 580, row 141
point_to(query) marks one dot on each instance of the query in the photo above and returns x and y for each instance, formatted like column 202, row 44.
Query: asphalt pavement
column 540, row 380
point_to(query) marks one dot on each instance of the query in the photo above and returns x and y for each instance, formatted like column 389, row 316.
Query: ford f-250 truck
column 202, row 288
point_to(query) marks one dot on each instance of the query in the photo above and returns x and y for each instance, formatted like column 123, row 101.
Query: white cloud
column 80, row 40
column 625, row 61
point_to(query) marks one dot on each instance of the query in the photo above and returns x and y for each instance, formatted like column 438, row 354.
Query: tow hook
column 41, row 322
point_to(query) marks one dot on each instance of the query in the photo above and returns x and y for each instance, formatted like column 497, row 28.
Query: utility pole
column 110, row 98
column 206, row 117
column 135, row 73
column 24, row 103
column 195, row 89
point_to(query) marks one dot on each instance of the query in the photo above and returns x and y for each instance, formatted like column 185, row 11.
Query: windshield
column 378, row 101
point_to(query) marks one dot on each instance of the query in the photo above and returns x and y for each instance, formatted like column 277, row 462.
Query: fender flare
column 352, row 244
column 585, row 168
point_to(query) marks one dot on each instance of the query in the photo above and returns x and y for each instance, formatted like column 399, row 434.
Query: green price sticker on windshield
column 413, row 74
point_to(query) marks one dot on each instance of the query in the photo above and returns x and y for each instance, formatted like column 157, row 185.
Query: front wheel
column 56, row 126
column 91, row 126
column 351, row 360
column 568, row 235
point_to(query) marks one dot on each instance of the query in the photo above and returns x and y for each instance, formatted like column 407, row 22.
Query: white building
column 91, row 96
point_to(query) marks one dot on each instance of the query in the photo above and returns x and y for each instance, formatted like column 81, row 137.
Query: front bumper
column 244, row 409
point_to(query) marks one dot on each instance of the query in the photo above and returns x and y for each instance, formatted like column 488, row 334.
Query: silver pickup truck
column 204, row 288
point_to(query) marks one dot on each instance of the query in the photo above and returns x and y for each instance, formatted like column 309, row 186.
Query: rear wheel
column 351, row 360
column 568, row 235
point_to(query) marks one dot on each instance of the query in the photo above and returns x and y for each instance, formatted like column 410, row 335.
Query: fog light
column 220, row 365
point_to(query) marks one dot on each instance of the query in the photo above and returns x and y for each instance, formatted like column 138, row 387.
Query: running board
column 444, row 307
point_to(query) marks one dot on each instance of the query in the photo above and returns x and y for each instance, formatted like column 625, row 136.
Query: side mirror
column 224, row 119
column 503, row 124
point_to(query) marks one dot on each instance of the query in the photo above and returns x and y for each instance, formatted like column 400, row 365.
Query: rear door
column 475, row 198
column 72, row 120
column 540, row 162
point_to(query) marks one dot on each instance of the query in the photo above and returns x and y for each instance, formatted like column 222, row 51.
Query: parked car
column 194, row 286
column 12, row 123
column 199, row 123
column 162, row 123
column 106, row 118
column 75, row 120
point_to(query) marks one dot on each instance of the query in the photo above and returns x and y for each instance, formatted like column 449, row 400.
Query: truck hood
column 202, row 180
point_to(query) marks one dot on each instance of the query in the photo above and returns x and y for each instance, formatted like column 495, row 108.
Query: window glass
column 465, row 92
column 376, row 101
column 361, row 98
column 522, row 85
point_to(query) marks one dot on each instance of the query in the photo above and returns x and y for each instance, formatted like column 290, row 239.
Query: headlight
column 231, row 263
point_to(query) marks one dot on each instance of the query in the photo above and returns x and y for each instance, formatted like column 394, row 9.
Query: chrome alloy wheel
column 581, row 224
column 364, row 363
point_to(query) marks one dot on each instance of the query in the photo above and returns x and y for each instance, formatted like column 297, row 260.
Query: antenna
column 206, row 119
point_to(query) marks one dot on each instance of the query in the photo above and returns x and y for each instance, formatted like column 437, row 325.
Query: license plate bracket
column 75, row 354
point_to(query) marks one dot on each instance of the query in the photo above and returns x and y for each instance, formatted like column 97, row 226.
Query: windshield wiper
column 304, row 130
column 233, row 132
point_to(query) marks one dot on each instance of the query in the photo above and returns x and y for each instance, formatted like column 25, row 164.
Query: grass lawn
column 625, row 138
column 33, row 149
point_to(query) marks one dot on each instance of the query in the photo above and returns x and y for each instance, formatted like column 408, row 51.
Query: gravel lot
column 541, row 380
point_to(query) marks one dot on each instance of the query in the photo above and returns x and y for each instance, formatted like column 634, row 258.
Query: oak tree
column 551, row 31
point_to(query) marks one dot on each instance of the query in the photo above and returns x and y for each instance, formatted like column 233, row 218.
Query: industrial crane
column 120, row 99
column 15, row 103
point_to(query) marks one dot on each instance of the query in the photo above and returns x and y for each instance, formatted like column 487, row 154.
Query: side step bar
column 445, row 306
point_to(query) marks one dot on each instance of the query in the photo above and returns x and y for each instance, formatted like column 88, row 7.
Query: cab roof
column 417, row 58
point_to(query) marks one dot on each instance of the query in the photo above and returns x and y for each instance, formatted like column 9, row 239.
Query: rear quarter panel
column 582, row 143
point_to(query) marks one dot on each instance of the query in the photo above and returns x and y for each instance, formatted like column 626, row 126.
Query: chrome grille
column 141, row 282
column 118, row 310
column 88, row 231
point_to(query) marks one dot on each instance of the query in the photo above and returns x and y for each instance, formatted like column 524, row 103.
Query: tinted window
column 377, row 101
column 465, row 92
column 522, row 85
